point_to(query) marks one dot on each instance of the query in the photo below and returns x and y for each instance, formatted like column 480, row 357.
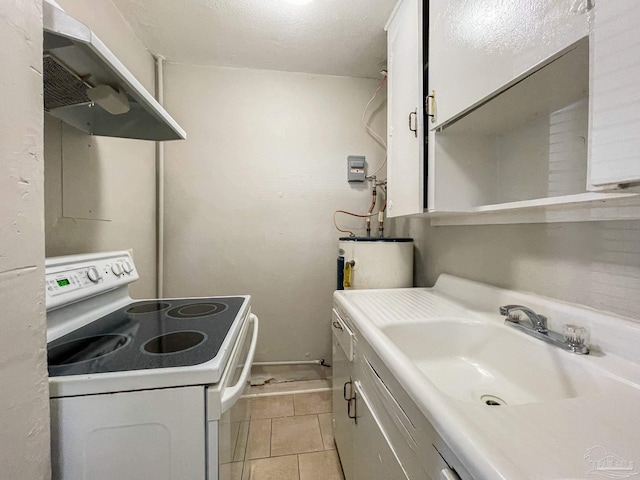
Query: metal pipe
column 381, row 213
column 286, row 392
column 292, row 362
column 374, row 194
column 159, row 186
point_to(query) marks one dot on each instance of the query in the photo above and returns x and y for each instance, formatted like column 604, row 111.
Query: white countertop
column 545, row 440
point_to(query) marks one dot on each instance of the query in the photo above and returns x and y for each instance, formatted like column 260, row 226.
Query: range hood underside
column 88, row 62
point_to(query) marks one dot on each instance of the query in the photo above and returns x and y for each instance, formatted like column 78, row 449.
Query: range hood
column 75, row 63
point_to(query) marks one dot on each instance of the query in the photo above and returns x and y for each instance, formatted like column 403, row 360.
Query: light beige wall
column 118, row 175
column 24, row 401
column 590, row 263
column 250, row 194
column 106, row 21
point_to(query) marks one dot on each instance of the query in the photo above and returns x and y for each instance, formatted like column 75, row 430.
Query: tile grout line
column 324, row 447
column 270, row 435
column 320, row 431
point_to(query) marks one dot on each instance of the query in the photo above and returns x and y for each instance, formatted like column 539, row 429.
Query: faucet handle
column 575, row 335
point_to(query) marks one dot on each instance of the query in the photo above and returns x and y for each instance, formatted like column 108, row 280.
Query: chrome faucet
column 538, row 322
column 574, row 339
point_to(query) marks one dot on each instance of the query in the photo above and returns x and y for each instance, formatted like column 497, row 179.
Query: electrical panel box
column 356, row 168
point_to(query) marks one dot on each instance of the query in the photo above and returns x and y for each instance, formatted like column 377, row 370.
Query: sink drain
column 492, row 400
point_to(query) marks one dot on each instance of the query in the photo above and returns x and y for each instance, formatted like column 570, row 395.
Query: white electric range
column 141, row 389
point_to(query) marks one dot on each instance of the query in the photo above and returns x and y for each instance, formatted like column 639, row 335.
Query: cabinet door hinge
column 430, row 106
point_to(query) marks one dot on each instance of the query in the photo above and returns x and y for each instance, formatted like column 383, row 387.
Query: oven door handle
column 231, row 394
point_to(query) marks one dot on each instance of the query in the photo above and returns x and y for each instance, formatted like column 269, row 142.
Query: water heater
column 369, row 262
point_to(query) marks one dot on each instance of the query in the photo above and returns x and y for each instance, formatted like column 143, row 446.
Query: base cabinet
column 380, row 433
column 374, row 457
column 342, row 424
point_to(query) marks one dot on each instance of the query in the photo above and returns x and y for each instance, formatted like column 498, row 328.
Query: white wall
column 250, row 194
column 24, row 401
column 116, row 178
column 107, row 22
column 590, row 263
column 117, row 174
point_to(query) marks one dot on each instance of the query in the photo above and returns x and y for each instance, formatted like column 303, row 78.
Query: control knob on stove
column 126, row 266
column 116, row 268
column 94, row 275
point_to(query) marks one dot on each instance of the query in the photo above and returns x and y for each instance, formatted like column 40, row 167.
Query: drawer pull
column 344, row 391
column 355, row 409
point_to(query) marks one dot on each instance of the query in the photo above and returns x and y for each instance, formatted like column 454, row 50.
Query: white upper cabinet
column 615, row 94
column 480, row 47
column 405, row 137
column 537, row 110
column 529, row 143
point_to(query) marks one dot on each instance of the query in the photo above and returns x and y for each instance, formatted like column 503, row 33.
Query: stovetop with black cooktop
column 146, row 335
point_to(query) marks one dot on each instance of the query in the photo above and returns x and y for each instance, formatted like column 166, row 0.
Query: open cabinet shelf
column 589, row 206
column 524, row 147
column 522, row 156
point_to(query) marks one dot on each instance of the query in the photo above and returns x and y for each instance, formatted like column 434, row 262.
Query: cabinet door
column 405, row 138
column 478, row 47
column 343, row 425
column 615, row 94
column 374, row 460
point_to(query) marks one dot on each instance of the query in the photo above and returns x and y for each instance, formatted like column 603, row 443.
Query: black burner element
column 174, row 342
column 85, row 349
column 197, row 310
column 148, row 307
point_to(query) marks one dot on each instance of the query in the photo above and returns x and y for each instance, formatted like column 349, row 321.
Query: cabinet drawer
column 343, row 334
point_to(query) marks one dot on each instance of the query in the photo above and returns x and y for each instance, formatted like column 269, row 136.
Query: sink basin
column 491, row 364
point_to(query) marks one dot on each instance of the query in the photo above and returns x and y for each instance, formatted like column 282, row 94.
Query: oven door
column 227, row 413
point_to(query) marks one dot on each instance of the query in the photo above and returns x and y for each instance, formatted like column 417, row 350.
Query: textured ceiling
column 335, row 37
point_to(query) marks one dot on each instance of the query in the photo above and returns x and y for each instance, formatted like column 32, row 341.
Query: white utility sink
column 451, row 352
column 491, row 364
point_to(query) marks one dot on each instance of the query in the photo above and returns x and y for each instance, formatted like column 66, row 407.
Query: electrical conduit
column 159, row 187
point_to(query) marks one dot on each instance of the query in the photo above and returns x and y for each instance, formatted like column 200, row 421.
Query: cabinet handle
column 414, row 114
column 344, row 391
column 448, row 474
column 337, row 325
column 355, row 409
column 430, row 105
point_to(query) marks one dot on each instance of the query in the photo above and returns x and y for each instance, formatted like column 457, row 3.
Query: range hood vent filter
column 61, row 86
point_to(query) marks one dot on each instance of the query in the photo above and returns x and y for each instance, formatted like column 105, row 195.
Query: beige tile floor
column 286, row 437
